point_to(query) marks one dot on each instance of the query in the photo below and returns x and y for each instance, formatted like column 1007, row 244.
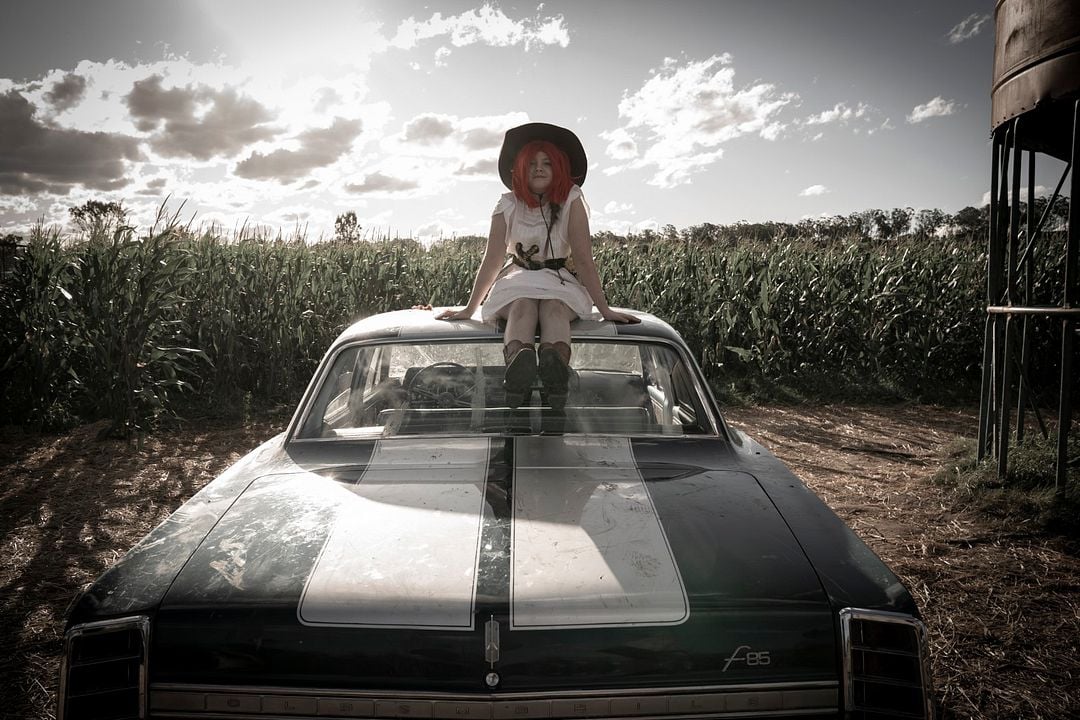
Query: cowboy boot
column 555, row 372
column 520, row 372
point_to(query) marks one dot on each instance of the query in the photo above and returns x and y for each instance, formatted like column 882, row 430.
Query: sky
column 285, row 115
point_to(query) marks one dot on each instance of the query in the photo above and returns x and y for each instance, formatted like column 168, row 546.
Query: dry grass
column 69, row 507
column 1002, row 603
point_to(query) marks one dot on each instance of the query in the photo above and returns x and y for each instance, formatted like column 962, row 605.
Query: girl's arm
column 581, row 250
column 485, row 275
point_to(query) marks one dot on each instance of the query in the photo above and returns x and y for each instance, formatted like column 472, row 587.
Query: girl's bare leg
column 521, row 321
column 555, row 318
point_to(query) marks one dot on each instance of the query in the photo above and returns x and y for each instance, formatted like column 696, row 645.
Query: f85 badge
column 748, row 656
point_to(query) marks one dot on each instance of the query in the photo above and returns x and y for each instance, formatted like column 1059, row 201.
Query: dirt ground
column 1002, row 604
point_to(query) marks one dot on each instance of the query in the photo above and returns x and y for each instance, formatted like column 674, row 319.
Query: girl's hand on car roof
column 451, row 314
column 619, row 317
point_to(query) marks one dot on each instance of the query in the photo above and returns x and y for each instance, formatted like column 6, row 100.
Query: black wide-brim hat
column 560, row 137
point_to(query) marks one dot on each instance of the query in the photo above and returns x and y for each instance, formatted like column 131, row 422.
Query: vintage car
column 410, row 547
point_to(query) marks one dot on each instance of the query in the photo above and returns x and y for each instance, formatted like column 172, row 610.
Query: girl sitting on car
column 550, row 278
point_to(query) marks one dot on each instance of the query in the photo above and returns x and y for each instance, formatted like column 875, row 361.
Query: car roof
column 401, row 324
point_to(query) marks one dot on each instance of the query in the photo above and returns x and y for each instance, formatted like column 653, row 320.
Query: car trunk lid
column 553, row 562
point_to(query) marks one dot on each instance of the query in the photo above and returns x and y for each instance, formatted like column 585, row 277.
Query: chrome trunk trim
column 763, row 700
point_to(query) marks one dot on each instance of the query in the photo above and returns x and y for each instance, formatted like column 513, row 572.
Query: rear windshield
column 393, row 389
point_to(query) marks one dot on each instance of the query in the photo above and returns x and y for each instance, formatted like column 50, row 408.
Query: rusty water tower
column 1035, row 109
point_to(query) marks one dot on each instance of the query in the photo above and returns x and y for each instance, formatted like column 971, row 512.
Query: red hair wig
column 560, row 173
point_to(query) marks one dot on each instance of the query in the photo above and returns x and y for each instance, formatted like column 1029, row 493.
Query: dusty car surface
column 412, row 547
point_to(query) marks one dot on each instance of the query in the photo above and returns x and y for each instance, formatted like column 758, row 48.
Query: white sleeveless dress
column 527, row 226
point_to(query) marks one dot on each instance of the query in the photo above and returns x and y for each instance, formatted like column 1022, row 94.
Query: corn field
column 128, row 327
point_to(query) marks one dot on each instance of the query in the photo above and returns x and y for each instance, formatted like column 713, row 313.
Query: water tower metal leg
column 1025, row 299
column 1072, row 299
column 987, row 387
column 1007, row 342
column 997, row 290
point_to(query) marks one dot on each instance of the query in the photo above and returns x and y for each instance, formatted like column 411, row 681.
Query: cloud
column 428, row 129
column 177, row 96
column 326, row 98
column 488, row 168
column 612, row 207
column 968, row 28
column 486, row 25
column 484, row 138
column 679, row 119
column 197, row 121
column 1040, row 191
column 67, row 92
column 149, row 103
column 435, row 135
column 319, row 147
column 153, row 187
column 621, row 145
column 431, row 231
column 841, row 113
column 296, row 216
column 859, row 117
column 17, row 204
column 629, row 227
column 378, row 182
column 938, row 107
column 36, row 157
column 813, row 190
column 434, row 149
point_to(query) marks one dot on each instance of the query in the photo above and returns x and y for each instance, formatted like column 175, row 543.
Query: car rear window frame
column 712, row 422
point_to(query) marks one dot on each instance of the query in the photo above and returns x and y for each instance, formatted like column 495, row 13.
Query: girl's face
column 540, row 173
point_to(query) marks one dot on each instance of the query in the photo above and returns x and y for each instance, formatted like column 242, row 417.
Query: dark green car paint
column 230, row 615
column 765, row 564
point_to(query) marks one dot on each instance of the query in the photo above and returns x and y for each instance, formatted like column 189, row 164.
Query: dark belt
column 551, row 264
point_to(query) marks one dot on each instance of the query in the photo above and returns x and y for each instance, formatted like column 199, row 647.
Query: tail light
column 103, row 671
column 886, row 666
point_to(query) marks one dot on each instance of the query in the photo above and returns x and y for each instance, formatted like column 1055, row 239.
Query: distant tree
column 972, row 222
column 602, row 237
column 346, row 227
column 868, row 222
column 840, row 226
column 705, row 234
column 927, row 222
column 95, row 217
column 1039, row 208
column 900, row 221
column 761, row 232
column 10, row 244
column 405, row 244
column 1059, row 213
column 647, row 235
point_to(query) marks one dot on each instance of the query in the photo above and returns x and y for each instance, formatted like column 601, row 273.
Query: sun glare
column 326, row 38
